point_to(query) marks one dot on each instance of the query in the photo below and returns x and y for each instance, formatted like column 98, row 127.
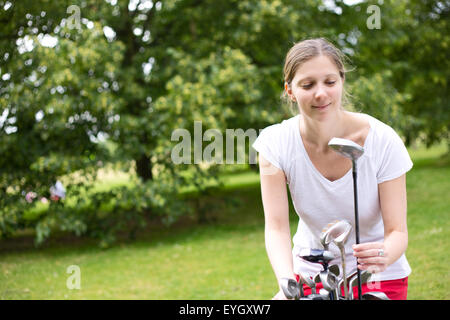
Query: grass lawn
column 428, row 187
column 224, row 260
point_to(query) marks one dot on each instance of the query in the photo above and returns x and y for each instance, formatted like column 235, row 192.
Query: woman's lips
column 322, row 107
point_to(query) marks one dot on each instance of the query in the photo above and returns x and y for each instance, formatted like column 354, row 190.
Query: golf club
column 358, row 281
column 317, row 278
column 347, row 280
column 310, row 283
column 334, row 269
column 323, row 257
column 330, row 283
column 334, row 273
column 352, row 151
column 340, row 243
column 291, row 288
column 338, row 232
column 325, row 239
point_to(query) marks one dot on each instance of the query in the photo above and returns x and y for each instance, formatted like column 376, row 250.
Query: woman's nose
column 320, row 92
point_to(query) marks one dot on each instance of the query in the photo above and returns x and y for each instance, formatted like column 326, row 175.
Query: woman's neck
column 318, row 133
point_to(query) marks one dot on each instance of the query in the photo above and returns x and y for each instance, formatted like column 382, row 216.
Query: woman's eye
column 307, row 85
column 330, row 83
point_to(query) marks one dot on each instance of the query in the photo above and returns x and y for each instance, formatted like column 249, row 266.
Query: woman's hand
column 371, row 256
column 377, row 256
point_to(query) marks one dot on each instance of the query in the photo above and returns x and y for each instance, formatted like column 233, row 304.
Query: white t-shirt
column 319, row 201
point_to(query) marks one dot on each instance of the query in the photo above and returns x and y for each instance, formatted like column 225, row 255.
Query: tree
column 406, row 61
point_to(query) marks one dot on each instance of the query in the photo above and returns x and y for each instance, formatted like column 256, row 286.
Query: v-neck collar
column 313, row 167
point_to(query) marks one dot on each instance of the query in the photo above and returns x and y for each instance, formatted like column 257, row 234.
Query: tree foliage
column 407, row 64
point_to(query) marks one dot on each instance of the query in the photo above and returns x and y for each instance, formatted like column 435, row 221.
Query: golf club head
column 346, row 148
column 310, row 283
column 329, row 280
column 325, row 239
column 365, row 275
column 335, row 270
column 375, row 295
column 291, row 288
column 337, row 231
column 353, row 282
column 345, row 230
column 317, row 278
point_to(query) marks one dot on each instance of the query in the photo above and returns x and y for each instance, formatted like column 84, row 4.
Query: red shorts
column 394, row 289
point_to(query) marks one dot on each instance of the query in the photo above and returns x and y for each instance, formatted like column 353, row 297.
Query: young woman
column 296, row 152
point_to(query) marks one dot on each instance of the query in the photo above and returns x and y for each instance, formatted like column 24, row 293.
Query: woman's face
column 317, row 88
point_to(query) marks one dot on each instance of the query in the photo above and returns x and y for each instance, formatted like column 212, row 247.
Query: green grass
column 224, row 260
column 221, row 261
column 428, row 187
column 174, row 267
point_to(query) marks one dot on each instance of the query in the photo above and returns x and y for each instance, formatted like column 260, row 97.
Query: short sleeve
column 267, row 144
column 395, row 160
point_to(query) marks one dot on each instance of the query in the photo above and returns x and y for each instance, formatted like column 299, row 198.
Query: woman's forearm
column 395, row 243
column 279, row 251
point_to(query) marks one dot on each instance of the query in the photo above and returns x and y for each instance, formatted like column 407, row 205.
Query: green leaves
column 413, row 44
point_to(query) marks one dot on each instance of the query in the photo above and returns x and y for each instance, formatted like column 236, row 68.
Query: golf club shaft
column 344, row 273
column 355, row 197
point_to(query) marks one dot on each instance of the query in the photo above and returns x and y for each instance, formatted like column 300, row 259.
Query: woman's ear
column 288, row 90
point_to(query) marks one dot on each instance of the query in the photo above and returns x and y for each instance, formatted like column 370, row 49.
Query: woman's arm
column 393, row 208
column 276, row 213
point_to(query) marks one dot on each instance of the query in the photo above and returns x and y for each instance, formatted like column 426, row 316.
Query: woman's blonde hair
column 305, row 50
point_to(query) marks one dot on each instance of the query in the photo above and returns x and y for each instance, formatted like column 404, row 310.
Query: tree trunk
column 144, row 168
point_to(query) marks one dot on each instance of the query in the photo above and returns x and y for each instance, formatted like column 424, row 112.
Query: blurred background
column 91, row 92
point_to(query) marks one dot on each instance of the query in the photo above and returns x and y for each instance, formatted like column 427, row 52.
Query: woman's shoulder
column 275, row 141
column 382, row 139
column 379, row 128
column 388, row 151
column 282, row 127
